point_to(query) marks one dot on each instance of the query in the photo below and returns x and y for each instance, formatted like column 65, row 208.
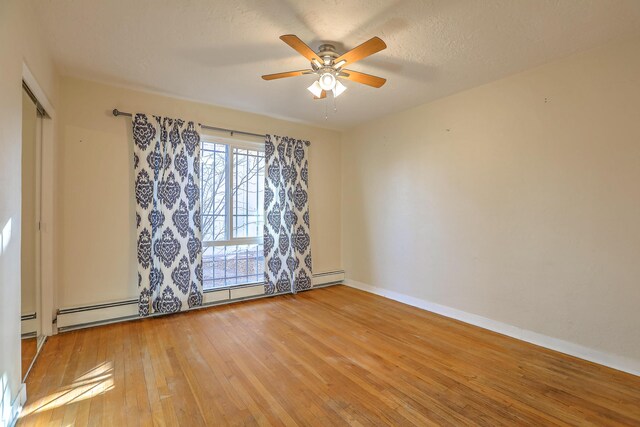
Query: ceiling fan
column 329, row 65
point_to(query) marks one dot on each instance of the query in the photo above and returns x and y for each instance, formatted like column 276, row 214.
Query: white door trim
column 47, row 151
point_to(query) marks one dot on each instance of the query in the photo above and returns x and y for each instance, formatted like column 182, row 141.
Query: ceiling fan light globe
column 315, row 89
column 327, row 81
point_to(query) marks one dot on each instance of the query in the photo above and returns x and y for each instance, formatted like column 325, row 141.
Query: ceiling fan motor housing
column 327, row 52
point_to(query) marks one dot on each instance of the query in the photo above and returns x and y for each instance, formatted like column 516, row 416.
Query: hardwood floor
column 28, row 350
column 332, row 356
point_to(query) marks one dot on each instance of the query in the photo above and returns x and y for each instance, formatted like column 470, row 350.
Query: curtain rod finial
column 116, row 112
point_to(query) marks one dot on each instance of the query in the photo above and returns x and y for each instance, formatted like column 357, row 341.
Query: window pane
column 219, row 271
column 207, row 268
column 213, row 187
column 235, row 265
column 226, row 264
column 248, row 183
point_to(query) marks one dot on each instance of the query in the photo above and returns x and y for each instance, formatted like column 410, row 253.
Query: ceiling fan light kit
column 328, row 65
column 315, row 89
column 327, row 80
column 338, row 89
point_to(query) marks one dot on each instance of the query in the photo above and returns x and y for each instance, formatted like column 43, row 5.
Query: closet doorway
column 30, row 257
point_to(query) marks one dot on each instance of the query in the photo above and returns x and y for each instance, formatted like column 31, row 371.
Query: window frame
column 230, row 239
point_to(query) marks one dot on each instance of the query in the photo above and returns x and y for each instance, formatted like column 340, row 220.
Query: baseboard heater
column 86, row 316
column 28, row 324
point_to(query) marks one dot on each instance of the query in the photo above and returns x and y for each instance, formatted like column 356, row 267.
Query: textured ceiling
column 215, row 51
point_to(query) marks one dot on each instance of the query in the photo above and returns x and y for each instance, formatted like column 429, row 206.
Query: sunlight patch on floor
column 94, row 382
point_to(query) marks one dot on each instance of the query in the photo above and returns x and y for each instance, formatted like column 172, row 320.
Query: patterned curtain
column 167, row 168
column 287, row 246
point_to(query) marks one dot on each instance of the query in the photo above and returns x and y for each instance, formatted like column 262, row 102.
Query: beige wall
column 518, row 201
column 19, row 42
column 96, row 256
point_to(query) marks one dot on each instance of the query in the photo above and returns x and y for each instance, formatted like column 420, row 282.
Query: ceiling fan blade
column 285, row 74
column 300, row 47
column 367, row 48
column 363, row 78
column 322, row 95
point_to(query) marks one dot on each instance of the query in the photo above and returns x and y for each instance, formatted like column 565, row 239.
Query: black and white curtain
column 287, row 245
column 167, row 166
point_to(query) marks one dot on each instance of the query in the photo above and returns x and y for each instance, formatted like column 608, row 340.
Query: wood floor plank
column 330, row 357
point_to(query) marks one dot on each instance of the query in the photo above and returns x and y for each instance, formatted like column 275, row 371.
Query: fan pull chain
column 326, row 115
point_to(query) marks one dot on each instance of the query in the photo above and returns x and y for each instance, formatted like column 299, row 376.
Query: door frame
column 47, row 214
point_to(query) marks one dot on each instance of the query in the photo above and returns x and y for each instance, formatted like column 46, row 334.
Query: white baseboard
column 119, row 311
column 620, row 363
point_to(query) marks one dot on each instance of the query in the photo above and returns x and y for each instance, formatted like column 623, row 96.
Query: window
column 232, row 210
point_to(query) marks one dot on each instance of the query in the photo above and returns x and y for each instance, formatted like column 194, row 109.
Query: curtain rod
column 231, row 131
